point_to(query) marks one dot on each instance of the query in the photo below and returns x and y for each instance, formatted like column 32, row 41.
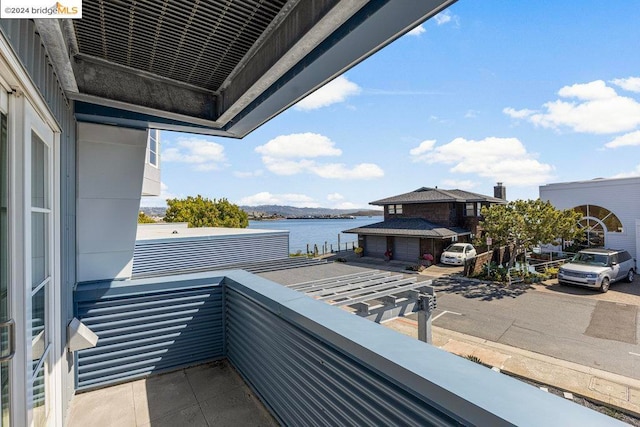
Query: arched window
column 596, row 221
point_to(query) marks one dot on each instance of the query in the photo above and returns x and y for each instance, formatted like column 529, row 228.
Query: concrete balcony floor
column 206, row 395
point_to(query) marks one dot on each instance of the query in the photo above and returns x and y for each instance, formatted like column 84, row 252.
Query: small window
column 469, row 209
column 478, row 208
column 398, row 209
column 623, row 256
column 153, row 148
column 391, row 209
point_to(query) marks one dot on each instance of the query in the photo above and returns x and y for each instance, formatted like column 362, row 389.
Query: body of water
column 317, row 231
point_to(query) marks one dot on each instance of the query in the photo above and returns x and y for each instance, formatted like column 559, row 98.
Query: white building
column 610, row 209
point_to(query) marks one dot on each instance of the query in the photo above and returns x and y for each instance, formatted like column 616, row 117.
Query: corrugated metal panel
column 181, row 255
column 147, row 327
column 306, row 381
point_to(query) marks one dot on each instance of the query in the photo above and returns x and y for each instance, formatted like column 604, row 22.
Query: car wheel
column 630, row 276
column 604, row 286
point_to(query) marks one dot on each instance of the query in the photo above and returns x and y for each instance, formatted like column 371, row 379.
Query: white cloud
column 632, row 84
column 588, row 91
column 632, row 138
column 203, row 154
column 416, row 31
column 464, row 184
column 443, row 17
column 446, row 17
column 501, row 159
column 302, row 145
column 335, row 197
column 296, row 153
column 424, row 147
column 471, row 114
column 250, row 174
column 287, row 199
column 595, row 108
column 342, row 171
column 518, row 114
column 633, row 173
column 161, row 200
column 337, row 90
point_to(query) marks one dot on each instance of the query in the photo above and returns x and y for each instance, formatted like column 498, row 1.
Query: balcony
column 204, row 395
column 307, row 362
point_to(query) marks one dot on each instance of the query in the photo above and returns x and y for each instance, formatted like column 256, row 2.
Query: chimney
column 500, row 191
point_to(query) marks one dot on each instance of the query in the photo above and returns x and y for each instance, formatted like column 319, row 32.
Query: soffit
column 198, row 43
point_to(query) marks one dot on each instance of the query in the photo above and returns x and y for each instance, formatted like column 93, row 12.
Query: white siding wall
column 151, row 185
column 620, row 196
column 110, row 172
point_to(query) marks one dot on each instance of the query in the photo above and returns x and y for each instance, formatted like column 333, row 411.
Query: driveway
column 573, row 324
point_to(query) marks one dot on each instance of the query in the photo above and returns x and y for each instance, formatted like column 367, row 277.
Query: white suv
column 598, row 268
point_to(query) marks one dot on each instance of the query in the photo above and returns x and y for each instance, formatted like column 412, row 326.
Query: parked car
column 598, row 268
column 457, row 253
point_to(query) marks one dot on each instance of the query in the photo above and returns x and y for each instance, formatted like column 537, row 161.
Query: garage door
column 375, row 246
column 406, row 249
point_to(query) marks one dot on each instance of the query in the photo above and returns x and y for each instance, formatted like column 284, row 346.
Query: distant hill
column 280, row 211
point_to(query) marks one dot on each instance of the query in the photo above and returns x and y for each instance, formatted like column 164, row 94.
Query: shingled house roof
column 409, row 227
column 437, row 195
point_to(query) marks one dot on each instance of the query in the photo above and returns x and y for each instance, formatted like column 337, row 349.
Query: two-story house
column 425, row 221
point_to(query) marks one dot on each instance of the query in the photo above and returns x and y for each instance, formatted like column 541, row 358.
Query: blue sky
column 522, row 92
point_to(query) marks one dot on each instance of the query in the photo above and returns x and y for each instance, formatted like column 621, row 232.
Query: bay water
column 303, row 232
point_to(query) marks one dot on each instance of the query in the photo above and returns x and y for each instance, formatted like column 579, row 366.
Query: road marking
column 634, row 354
column 452, row 312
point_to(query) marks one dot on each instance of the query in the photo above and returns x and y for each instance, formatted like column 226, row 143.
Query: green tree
column 143, row 218
column 527, row 223
column 202, row 212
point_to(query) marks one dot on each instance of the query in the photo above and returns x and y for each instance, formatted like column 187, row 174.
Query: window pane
column 39, row 172
column 39, row 243
column 38, row 393
column 398, row 209
column 469, row 209
column 38, row 324
column 4, row 270
column 153, row 158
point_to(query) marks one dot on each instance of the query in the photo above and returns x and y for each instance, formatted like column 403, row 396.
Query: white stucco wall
column 151, row 185
column 621, row 196
column 110, row 173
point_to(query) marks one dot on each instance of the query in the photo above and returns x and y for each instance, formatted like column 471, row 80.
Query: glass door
column 39, row 148
column 7, row 339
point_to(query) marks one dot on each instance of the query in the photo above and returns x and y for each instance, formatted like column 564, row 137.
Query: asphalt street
column 569, row 323
column 573, row 326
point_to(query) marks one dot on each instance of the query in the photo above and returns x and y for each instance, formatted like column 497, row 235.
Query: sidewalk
column 597, row 385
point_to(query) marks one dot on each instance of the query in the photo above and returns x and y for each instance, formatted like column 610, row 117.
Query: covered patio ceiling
column 216, row 67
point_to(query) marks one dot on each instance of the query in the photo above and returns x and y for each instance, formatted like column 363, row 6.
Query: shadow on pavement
column 618, row 287
column 481, row 291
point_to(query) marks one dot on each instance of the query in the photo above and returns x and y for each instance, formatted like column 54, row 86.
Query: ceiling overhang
column 221, row 68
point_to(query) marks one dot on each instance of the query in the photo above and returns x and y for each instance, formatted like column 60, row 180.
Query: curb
column 622, row 381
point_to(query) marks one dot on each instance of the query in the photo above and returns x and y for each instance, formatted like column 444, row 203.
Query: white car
column 457, row 253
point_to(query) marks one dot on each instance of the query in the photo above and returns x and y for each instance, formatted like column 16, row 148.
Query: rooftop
column 410, row 227
column 171, row 231
column 437, row 195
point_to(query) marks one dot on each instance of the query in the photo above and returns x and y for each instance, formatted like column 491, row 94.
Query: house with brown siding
column 423, row 221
